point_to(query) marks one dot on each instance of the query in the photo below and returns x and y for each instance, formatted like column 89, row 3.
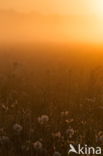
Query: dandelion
column 56, row 154
column 57, row 134
column 37, row 145
column 17, row 128
column 99, row 137
column 69, row 121
column 43, row 119
column 70, row 131
column 4, row 140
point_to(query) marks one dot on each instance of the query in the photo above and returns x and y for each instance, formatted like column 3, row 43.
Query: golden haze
column 51, row 21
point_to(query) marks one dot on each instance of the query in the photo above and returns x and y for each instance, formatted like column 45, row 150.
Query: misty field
column 50, row 97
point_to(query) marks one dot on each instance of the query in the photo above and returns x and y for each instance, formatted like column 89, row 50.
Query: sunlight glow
column 97, row 7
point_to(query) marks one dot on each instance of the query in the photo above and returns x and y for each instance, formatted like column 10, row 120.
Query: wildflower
column 92, row 100
column 43, row 119
column 70, row 131
column 100, row 133
column 69, row 121
column 26, row 146
column 17, row 128
column 57, row 134
column 56, row 154
column 4, row 107
column 99, row 136
column 65, row 113
column 37, row 145
column 4, row 140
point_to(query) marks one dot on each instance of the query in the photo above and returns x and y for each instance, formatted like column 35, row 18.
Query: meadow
column 51, row 95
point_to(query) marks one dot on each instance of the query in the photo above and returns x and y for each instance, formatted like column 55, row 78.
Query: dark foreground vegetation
column 48, row 102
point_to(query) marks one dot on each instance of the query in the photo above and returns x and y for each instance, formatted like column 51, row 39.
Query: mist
column 35, row 27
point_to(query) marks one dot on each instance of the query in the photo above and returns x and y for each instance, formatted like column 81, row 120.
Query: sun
column 97, row 7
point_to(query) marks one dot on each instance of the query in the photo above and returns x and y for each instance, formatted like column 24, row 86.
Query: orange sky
column 76, row 20
column 55, row 6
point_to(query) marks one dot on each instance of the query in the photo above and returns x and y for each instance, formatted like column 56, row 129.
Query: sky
column 55, row 6
column 81, row 20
